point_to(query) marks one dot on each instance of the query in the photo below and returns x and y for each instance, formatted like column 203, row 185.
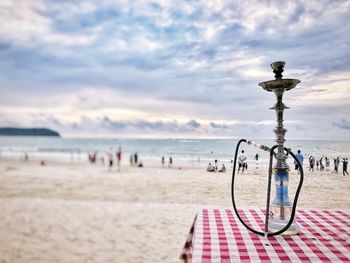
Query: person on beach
column 335, row 165
column 345, row 166
column 311, row 163
column 300, row 158
column 136, row 157
column 110, row 159
column 210, row 168
column 119, row 157
column 131, row 160
column 92, row 158
column 317, row 164
column 242, row 159
column 170, row 162
column 321, row 165
column 223, row 169
column 163, row 161
column 216, row 165
column 256, row 160
column 328, row 163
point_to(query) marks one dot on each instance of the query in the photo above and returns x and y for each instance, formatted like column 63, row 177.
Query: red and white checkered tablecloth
column 217, row 236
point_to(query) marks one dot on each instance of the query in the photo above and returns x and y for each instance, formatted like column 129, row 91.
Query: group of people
column 170, row 165
column 92, row 157
column 242, row 163
column 135, row 160
column 214, row 168
column 118, row 158
column 336, row 162
column 324, row 164
column 321, row 164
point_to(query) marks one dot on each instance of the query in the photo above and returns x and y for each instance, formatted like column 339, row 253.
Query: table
column 217, row 235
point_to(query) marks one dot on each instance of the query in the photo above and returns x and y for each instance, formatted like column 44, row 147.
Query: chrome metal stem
column 280, row 131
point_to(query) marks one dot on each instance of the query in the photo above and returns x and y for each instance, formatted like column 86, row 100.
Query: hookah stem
column 269, row 192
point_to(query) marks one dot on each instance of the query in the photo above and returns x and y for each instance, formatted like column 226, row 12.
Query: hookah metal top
column 279, row 86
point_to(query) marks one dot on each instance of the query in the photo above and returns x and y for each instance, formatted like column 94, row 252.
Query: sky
column 169, row 69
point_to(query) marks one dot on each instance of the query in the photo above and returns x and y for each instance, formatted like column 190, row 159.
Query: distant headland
column 10, row 131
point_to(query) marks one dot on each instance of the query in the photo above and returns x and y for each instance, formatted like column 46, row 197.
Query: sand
column 83, row 213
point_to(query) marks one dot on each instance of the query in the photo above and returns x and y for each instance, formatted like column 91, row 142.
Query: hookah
column 280, row 214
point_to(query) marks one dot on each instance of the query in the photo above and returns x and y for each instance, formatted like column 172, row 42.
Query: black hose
column 233, row 191
column 268, row 193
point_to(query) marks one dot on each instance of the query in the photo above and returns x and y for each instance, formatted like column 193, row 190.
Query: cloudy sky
column 169, row 68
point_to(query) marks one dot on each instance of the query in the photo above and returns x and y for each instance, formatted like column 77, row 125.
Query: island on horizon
column 10, row 131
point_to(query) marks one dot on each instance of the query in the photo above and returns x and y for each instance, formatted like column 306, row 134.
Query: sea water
column 184, row 152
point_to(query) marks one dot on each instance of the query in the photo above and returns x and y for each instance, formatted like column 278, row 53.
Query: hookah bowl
column 280, row 208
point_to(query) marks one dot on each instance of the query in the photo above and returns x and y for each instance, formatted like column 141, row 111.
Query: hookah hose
column 268, row 192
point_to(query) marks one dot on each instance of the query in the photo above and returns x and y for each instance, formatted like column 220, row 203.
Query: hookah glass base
column 280, row 220
column 277, row 224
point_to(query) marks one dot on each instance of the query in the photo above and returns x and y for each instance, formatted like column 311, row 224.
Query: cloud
column 157, row 126
column 108, row 126
column 343, row 124
column 112, row 125
column 218, row 126
column 152, row 63
column 194, row 124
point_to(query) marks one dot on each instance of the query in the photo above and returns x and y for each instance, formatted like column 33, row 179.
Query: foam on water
column 196, row 152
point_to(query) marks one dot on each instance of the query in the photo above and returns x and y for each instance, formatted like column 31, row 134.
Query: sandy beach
column 83, row 213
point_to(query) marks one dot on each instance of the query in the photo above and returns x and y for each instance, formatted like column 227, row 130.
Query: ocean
column 185, row 152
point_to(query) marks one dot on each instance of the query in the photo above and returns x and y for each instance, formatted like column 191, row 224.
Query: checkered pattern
column 218, row 236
